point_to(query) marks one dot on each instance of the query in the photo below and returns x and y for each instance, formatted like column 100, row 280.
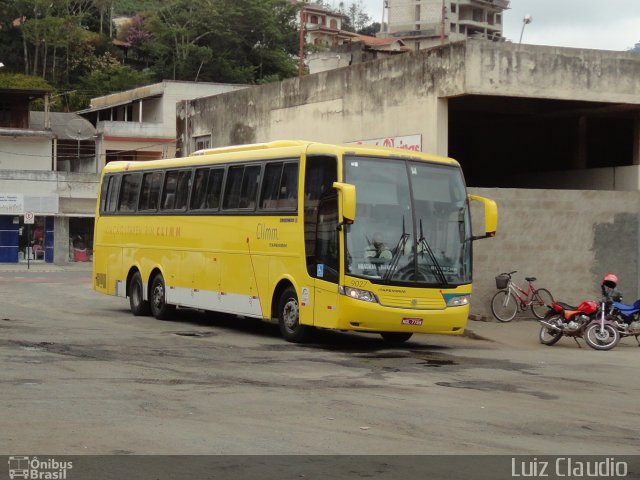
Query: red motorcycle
column 588, row 320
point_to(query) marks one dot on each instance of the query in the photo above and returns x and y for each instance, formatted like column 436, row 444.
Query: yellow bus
column 308, row 235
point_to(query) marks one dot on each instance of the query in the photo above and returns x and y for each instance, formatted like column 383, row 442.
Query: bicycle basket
column 502, row 281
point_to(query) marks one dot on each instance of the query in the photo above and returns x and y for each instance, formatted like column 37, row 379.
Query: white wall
column 25, row 153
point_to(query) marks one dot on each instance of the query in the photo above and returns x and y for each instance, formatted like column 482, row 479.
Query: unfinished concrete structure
column 513, row 115
column 425, row 23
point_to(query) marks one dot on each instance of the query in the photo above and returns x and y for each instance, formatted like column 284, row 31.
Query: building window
column 452, row 28
column 454, row 8
column 499, row 19
column 417, row 12
column 202, row 142
column 334, row 24
column 313, row 19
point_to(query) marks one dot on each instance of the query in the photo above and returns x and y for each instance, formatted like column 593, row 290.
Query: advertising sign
column 406, row 142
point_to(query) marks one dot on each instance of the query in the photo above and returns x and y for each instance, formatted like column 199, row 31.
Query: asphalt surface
column 83, row 376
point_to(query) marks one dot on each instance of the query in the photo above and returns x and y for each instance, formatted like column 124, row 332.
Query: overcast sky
column 600, row 24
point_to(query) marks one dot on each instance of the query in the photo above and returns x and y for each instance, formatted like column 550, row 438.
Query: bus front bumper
column 372, row 317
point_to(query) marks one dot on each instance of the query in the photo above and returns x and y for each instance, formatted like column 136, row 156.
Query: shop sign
column 11, row 203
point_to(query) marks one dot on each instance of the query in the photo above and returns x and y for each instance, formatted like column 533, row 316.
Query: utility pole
column 303, row 19
column 443, row 23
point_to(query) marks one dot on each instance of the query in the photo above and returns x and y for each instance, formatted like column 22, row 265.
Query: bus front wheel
column 289, row 318
column 139, row 306
column 158, row 299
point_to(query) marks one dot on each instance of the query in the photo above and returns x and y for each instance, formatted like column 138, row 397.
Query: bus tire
column 158, row 299
column 289, row 318
column 139, row 306
column 396, row 337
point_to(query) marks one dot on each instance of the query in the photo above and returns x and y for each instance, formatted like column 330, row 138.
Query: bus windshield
column 412, row 223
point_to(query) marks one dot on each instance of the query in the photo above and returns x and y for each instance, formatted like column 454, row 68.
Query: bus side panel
column 238, row 290
column 107, row 268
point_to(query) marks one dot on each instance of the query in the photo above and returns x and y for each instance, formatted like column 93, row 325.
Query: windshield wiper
column 393, row 266
column 422, row 242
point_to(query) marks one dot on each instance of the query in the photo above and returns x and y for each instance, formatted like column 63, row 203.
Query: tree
column 358, row 18
column 222, row 40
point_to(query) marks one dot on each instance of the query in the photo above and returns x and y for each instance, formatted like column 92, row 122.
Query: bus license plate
column 412, row 321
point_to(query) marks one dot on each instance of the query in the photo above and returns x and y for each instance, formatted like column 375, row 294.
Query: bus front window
column 412, row 223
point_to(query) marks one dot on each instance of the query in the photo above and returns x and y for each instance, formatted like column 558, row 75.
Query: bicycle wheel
column 540, row 303
column 504, row 306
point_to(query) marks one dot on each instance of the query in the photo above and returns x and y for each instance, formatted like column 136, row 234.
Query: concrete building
column 139, row 124
column 515, row 116
column 47, row 176
column 425, row 23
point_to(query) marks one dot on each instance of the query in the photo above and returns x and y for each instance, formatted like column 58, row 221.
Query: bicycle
column 510, row 299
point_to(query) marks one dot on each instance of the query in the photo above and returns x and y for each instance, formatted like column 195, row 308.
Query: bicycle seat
column 530, row 279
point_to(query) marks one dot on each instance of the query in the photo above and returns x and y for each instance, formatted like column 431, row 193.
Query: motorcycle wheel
column 549, row 336
column 504, row 306
column 601, row 338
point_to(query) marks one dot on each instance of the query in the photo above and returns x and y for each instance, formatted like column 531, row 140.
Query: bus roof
column 275, row 149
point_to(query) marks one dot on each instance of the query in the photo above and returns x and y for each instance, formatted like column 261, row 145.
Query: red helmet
column 610, row 280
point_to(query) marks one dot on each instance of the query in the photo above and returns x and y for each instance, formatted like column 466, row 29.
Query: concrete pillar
column 61, row 240
column 442, row 126
column 636, row 141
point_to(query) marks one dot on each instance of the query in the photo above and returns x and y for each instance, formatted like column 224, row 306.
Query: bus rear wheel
column 396, row 337
column 139, row 306
column 158, row 299
column 289, row 318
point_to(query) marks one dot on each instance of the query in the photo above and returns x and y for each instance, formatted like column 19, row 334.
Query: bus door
column 320, row 235
column 327, row 262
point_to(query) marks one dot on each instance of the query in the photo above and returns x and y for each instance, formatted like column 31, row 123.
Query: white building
column 48, row 175
column 140, row 124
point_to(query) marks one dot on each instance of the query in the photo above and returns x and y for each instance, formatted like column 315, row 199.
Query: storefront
column 27, row 228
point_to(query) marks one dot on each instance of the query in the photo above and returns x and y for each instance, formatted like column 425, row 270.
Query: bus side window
column 241, row 189
column 104, row 193
column 270, row 185
column 150, row 192
column 129, row 192
column 112, row 193
column 176, row 190
column 288, row 194
column 169, row 191
column 199, row 193
column 182, row 189
column 232, row 188
column 249, row 190
column 214, row 188
column 280, row 187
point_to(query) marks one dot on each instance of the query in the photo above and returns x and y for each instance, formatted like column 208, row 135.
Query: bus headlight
column 458, row 301
column 364, row 295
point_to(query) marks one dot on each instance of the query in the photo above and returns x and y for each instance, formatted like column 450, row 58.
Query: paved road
column 81, row 375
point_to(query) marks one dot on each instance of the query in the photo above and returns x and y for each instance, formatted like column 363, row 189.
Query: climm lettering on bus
column 266, row 233
column 140, row 230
